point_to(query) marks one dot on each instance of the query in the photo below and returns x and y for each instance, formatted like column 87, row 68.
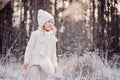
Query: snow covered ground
column 71, row 67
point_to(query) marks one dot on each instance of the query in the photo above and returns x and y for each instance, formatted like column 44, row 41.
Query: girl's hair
column 54, row 28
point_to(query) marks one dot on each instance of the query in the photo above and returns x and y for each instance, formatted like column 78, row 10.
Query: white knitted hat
column 42, row 17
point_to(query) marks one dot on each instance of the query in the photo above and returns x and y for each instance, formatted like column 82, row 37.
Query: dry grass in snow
column 71, row 67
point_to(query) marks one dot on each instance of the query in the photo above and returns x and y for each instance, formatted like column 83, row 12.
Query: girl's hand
column 25, row 66
column 55, row 69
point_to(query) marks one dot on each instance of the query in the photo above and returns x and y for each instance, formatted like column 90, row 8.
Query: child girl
column 40, row 54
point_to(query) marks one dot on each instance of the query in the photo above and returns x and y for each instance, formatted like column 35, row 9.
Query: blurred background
column 85, row 27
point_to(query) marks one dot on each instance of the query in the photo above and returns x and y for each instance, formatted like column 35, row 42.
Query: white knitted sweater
column 41, row 44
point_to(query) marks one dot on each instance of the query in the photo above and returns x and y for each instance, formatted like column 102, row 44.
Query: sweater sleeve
column 29, row 47
column 54, row 56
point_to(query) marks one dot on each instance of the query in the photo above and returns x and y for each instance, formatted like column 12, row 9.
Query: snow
column 72, row 67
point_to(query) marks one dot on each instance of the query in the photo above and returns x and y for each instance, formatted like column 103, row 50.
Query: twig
column 9, row 50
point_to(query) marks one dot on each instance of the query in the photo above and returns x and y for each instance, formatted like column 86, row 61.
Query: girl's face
column 48, row 25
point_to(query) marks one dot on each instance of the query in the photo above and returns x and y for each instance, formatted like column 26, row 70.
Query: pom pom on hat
column 43, row 16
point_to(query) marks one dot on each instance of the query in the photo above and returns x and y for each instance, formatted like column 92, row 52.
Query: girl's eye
column 50, row 21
